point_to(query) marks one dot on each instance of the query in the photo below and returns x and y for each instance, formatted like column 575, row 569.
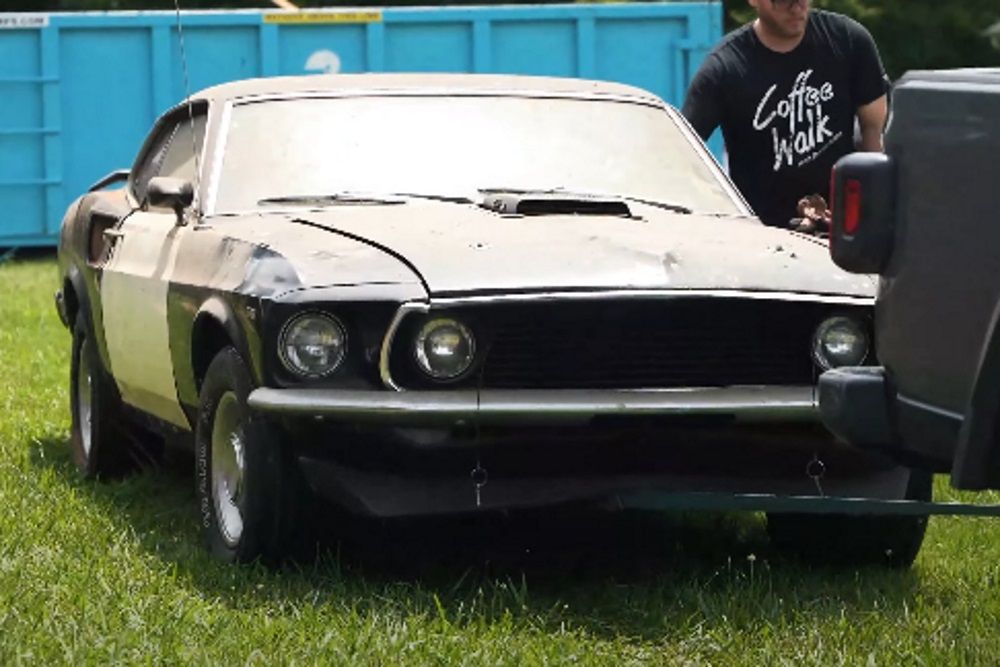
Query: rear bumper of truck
column 854, row 405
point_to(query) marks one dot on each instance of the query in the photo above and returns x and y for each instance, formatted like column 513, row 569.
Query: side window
column 149, row 166
column 172, row 151
column 179, row 159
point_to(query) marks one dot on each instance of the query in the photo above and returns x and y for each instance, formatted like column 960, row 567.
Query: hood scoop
column 555, row 204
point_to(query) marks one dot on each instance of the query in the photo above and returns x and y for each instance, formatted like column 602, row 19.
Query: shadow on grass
column 643, row 575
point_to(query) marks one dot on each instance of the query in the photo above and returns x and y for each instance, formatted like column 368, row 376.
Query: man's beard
column 775, row 27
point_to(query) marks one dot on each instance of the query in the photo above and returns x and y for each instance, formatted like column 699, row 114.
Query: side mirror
column 173, row 193
column 863, row 197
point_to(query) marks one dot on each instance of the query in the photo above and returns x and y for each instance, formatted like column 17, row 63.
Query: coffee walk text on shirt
column 786, row 117
column 799, row 128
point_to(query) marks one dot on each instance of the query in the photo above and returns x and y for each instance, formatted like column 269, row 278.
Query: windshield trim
column 444, row 91
column 701, row 148
column 215, row 171
column 654, row 103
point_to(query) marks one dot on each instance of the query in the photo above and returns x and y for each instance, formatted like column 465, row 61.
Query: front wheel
column 245, row 483
column 837, row 539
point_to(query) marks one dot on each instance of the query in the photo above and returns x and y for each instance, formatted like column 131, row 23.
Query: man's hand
column 871, row 118
column 814, row 215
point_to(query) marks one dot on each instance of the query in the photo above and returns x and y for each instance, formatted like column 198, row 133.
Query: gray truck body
column 936, row 400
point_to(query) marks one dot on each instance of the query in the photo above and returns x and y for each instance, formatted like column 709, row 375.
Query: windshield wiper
column 335, row 198
column 363, row 198
column 667, row 206
column 451, row 199
column 676, row 208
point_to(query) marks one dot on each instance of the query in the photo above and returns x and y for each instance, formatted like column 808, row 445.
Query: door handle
column 112, row 234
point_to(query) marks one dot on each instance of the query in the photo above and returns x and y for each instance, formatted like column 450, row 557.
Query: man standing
column 786, row 90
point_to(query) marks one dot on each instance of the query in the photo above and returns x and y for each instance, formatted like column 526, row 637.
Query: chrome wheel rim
column 84, row 405
column 227, row 468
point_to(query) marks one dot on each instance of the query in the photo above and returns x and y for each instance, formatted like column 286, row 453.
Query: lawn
column 99, row 573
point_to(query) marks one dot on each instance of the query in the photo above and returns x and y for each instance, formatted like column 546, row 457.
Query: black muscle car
column 415, row 294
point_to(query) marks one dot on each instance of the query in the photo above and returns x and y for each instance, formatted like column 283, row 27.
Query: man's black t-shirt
column 786, row 117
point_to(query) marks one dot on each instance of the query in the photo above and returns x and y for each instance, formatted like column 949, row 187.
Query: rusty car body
column 420, row 294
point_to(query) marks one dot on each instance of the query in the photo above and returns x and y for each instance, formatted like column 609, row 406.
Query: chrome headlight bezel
column 820, row 354
column 290, row 364
column 423, row 362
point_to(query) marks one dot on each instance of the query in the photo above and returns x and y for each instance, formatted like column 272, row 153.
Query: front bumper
column 557, row 406
column 409, row 453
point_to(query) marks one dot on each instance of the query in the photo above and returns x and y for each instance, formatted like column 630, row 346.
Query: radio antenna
column 187, row 95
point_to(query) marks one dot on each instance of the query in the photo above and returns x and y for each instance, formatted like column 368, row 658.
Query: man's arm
column 703, row 102
column 871, row 118
column 869, row 86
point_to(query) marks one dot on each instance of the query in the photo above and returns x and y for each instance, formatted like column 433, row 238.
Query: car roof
column 385, row 83
column 981, row 75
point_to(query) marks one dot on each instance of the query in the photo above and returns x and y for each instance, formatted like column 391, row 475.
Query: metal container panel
column 78, row 92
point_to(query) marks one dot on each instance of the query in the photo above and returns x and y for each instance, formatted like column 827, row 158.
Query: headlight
column 840, row 341
column 312, row 345
column 444, row 348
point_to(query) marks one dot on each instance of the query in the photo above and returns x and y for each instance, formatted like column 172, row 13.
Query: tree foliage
column 911, row 34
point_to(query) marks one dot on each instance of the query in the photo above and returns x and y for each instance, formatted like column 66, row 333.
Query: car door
column 137, row 276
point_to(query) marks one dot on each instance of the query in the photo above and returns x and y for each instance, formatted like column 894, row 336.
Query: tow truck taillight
column 852, row 206
column 863, row 198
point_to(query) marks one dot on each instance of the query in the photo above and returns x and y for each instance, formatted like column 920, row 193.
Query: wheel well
column 976, row 464
column 983, row 412
column 71, row 301
column 207, row 340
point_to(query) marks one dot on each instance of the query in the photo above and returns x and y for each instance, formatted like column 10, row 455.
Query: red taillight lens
column 864, row 212
column 852, row 206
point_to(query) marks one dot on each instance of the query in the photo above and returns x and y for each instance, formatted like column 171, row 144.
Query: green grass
column 98, row 573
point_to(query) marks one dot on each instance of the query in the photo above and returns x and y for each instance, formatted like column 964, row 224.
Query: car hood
column 458, row 248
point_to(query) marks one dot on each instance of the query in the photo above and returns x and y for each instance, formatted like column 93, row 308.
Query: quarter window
column 179, row 160
column 173, row 151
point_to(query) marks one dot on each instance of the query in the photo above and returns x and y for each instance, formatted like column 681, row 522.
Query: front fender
column 218, row 321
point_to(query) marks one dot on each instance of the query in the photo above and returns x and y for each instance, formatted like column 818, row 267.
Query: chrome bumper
column 745, row 404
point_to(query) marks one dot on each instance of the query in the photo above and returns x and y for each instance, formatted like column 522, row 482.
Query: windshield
column 459, row 146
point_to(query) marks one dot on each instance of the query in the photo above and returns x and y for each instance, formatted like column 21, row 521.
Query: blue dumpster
column 78, row 92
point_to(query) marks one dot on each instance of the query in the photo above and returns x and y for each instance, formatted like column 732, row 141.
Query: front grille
column 633, row 344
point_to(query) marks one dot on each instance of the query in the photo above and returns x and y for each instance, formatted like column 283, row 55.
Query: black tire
column 98, row 437
column 266, row 489
column 839, row 540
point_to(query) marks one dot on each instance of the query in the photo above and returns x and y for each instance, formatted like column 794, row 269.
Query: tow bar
column 754, row 502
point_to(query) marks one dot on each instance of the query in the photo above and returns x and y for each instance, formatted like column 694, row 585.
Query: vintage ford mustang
column 416, row 294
